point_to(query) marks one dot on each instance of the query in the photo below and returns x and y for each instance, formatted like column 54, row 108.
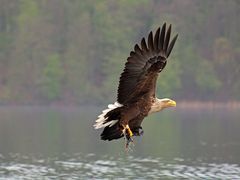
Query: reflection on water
column 55, row 143
column 90, row 166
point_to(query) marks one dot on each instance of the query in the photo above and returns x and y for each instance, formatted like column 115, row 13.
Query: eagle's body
column 137, row 86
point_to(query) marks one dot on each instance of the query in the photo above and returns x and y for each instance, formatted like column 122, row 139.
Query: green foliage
column 222, row 51
column 74, row 51
column 169, row 80
column 29, row 10
column 206, row 78
column 52, row 78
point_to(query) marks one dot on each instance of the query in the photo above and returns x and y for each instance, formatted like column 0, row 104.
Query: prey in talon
column 137, row 97
column 127, row 135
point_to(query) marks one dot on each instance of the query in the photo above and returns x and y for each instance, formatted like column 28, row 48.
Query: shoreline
column 180, row 105
column 208, row 104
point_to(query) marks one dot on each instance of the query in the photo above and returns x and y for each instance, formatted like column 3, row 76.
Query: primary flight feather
column 137, row 86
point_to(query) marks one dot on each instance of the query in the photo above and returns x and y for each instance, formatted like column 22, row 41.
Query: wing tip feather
column 158, row 44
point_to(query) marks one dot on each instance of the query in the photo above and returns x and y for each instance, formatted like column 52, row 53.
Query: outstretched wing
column 143, row 65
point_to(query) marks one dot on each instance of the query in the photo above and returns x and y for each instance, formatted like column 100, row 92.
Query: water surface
column 57, row 142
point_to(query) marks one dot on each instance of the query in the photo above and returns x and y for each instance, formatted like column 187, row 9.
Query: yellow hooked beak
column 171, row 103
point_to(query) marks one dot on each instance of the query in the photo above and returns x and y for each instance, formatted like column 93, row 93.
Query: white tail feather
column 111, row 106
column 101, row 121
column 113, row 122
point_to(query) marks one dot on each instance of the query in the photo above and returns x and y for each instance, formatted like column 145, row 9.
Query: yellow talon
column 129, row 130
column 127, row 134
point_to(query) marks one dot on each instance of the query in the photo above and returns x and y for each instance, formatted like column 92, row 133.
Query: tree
column 50, row 85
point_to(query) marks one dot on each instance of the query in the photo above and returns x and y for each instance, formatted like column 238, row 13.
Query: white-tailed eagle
column 137, row 86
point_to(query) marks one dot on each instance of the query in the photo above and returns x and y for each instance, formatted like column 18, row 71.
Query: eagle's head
column 160, row 104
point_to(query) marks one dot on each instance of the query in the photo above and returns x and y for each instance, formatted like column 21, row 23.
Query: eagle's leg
column 128, row 135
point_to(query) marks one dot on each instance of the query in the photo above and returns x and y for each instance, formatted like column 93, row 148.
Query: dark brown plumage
column 137, row 86
column 136, row 72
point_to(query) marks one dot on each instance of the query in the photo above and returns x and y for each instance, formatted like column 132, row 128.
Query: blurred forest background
column 72, row 52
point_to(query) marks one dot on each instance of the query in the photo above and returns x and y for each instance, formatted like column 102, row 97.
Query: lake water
column 60, row 143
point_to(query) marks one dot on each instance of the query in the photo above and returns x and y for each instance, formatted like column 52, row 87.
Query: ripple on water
column 90, row 166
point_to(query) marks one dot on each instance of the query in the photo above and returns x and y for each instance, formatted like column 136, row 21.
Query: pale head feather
column 160, row 104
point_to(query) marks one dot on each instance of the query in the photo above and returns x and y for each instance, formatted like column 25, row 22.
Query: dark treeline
column 73, row 52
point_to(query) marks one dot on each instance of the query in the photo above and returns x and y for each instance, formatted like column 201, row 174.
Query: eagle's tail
column 113, row 132
column 109, row 120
